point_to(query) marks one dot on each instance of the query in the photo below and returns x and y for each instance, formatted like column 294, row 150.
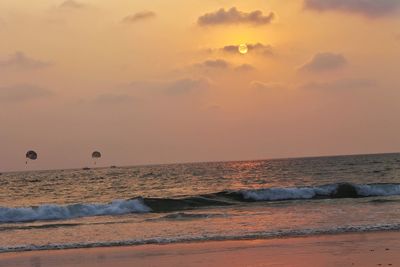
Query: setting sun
column 243, row 49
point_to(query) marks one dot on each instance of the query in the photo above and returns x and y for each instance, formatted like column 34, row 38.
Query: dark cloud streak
column 20, row 61
column 144, row 15
column 368, row 8
column 342, row 84
column 23, row 92
column 72, row 4
column 324, row 62
column 217, row 64
column 221, row 64
column 179, row 86
column 257, row 48
column 111, row 98
column 234, row 16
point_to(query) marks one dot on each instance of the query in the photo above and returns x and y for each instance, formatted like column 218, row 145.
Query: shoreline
column 345, row 249
column 158, row 242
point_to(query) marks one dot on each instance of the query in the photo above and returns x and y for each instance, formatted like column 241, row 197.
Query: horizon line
column 212, row 161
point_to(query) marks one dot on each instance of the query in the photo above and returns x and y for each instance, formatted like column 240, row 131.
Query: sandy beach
column 361, row 249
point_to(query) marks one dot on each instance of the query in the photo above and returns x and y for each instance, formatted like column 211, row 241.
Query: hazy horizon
column 153, row 83
column 108, row 163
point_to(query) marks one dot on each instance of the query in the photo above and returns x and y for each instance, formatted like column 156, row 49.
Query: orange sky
column 162, row 81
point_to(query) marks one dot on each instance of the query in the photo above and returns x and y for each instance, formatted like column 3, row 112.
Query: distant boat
column 113, row 167
column 86, row 168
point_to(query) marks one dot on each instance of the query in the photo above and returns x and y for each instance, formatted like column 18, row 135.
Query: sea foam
column 59, row 212
column 209, row 237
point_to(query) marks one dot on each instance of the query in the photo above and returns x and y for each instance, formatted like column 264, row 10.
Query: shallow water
column 198, row 201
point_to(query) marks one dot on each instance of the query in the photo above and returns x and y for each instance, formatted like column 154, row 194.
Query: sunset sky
column 163, row 81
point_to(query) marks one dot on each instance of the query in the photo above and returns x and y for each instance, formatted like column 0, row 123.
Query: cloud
column 20, row 61
column 72, row 4
column 262, row 86
column 234, row 16
column 18, row 93
column 324, row 62
column 245, row 67
column 151, row 90
column 111, row 98
column 183, row 86
column 214, row 108
column 257, row 48
column 342, row 84
column 221, row 64
column 173, row 87
column 139, row 16
column 215, row 64
column 369, row 8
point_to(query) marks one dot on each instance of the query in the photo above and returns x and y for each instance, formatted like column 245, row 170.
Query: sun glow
column 243, row 49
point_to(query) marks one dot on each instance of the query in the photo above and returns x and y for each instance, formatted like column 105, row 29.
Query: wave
column 186, row 239
column 224, row 198
column 331, row 191
column 58, row 212
column 342, row 190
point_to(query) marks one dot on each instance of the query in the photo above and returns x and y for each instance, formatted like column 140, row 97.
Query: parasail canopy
column 32, row 155
column 96, row 155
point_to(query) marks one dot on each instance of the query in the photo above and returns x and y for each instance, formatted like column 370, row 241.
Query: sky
column 163, row 81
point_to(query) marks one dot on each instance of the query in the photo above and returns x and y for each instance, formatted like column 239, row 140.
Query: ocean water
column 199, row 201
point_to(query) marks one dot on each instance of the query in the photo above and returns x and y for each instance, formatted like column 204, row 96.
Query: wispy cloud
column 72, row 4
column 235, row 16
column 22, row 92
column 214, row 63
column 267, row 86
column 245, row 68
column 324, row 62
column 113, row 98
column 258, row 48
column 186, row 85
column 144, row 15
column 341, row 84
column 221, row 64
column 20, row 61
column 179, row 86
column 368, row 8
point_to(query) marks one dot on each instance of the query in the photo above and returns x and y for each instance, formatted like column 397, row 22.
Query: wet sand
column 362, row 249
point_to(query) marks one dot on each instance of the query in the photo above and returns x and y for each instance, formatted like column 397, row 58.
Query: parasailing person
column 30, row 155
column 96, row 155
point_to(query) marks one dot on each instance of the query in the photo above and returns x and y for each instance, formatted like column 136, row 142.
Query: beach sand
column 361, row 249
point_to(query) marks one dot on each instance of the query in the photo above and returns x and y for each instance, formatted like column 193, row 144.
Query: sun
column 243, row 49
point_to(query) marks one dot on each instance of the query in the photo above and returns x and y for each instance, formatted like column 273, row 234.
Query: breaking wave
column 224, row 198
column 58, row 212
column 343, row 190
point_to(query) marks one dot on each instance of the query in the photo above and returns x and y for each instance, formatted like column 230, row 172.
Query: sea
column 195, row 202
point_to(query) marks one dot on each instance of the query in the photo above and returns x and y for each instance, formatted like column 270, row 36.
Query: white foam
column 378, row 190
column 271, row 194
column 184, row 239
column 57, row 212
